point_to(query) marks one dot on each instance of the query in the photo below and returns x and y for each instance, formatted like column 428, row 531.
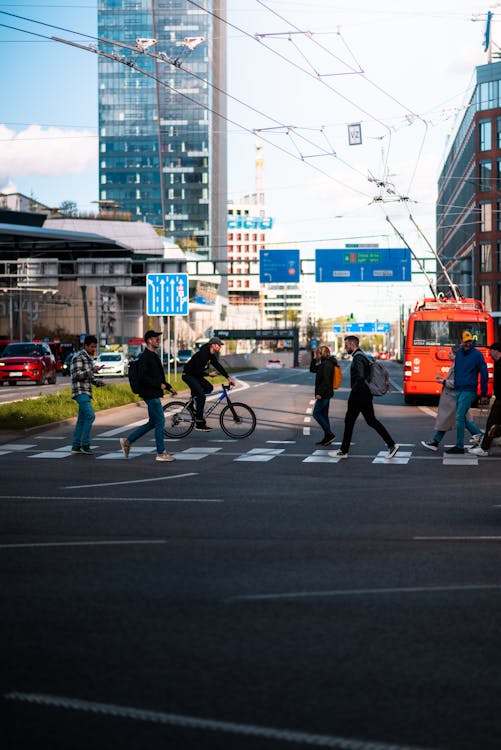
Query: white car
column 273, row 364
column 112, row 363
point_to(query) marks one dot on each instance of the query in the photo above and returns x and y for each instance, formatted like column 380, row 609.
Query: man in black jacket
column 152, row 386
column 360, row 401
column 194, row 374
column 494, row 417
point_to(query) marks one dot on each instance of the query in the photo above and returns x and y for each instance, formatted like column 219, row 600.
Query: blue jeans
column 464, row 400
column 321, row 414
column 156, row 421
column 86, row 416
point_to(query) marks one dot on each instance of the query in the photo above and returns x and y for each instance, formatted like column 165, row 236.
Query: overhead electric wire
column 164, row 59
column 365, row 77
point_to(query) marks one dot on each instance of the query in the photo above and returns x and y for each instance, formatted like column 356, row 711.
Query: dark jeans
column 360, row 402
column 199, row 388
column 321, row 414
column 493, row 418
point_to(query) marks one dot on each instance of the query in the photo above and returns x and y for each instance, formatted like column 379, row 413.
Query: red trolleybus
column 432, row 328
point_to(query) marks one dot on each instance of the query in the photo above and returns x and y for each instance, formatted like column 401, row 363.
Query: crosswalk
column 272, row 450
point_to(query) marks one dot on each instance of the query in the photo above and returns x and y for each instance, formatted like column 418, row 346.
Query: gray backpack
column 379, row 378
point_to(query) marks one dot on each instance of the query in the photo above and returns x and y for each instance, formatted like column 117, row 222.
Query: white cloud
column 47, row 152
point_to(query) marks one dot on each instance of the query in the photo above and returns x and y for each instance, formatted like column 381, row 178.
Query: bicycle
column 237, row 420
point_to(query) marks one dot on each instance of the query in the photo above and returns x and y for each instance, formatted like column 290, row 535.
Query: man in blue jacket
column 468, row 365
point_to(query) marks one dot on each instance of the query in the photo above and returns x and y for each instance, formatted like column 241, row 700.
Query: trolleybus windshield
column 447, row 332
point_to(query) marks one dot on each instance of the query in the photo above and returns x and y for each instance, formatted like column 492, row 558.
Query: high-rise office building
column 469, row 198
column 162, row 133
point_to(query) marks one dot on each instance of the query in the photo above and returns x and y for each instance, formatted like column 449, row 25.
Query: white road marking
column 402, row 457
column 364, row 592
column 205, row 724
column 130, row 481
column 396, row 386
column 460, row 460
column 281, row 442
column 18, row 446
column 306, row 430
column 309, row 411
column 84, row 544
column 427, row 410
column 306, row 420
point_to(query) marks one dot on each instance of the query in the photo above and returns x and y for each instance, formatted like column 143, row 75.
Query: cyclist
column 195, row 372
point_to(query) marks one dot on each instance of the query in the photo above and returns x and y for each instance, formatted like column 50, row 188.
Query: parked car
column 273, row 364
column 30, row 361
column 65, row 370
column 112, row 363
column 184, row 356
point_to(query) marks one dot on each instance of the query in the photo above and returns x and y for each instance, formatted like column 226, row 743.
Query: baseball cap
column 216, row 340
column 496, row 345
column 151, row 334
column 467, row 336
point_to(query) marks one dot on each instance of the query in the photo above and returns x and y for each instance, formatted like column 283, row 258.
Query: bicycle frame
column 237, row 420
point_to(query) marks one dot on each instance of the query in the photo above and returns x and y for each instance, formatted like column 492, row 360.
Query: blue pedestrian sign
column 348, row 265
column 167, row 294
column 279, row 266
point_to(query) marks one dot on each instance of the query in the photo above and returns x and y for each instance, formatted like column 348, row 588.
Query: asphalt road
column 253, row 594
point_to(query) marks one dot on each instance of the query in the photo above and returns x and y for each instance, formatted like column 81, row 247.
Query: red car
column 27, row 361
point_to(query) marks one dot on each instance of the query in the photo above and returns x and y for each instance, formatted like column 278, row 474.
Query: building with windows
column 162, row 133
column 469, row 194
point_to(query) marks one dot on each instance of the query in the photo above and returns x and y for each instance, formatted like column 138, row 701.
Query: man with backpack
column 151, row 386
column 360, row 401
column 324, row 366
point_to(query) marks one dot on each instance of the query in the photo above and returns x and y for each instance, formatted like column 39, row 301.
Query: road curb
column 9, row 436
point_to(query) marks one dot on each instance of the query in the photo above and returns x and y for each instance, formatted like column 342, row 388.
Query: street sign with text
column 376, row 265
column 279, row 266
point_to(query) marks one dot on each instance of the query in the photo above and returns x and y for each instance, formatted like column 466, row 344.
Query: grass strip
column 53, row 407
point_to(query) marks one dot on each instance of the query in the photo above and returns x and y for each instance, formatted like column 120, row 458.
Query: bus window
column 447, row 332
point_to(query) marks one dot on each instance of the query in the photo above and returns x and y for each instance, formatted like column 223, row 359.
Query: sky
column 299, row 73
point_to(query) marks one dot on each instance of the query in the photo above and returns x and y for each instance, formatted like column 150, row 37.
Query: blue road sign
column 167, row 294
column 367, row 327
column 279, row 266
column 350, row 265
column 337, row 327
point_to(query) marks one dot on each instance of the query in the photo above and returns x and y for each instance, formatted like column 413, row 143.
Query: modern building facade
column 469, row 194
column 162, row 133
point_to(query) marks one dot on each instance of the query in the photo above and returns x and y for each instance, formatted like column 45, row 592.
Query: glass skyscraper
column 162, row 133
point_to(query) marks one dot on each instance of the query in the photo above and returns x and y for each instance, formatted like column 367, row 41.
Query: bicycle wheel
column 240, row 422
column 179, row 419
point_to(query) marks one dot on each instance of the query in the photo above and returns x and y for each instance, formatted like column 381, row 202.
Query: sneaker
column 432, row 445
column 338, row 454
column 455, row 450
column 202, row 427
column 164, row 457
column 125, row 446
column 76, row 449
column 477, row 450
column 392, row 452
column 87, row 449
column 477, row 439
column 328, row 440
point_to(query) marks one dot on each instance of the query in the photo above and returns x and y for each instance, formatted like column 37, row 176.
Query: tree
column 68, row 208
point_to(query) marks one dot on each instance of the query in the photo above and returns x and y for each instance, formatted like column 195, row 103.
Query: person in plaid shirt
column 82, row 371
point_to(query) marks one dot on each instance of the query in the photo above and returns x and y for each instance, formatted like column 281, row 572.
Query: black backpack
column 134, row 375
